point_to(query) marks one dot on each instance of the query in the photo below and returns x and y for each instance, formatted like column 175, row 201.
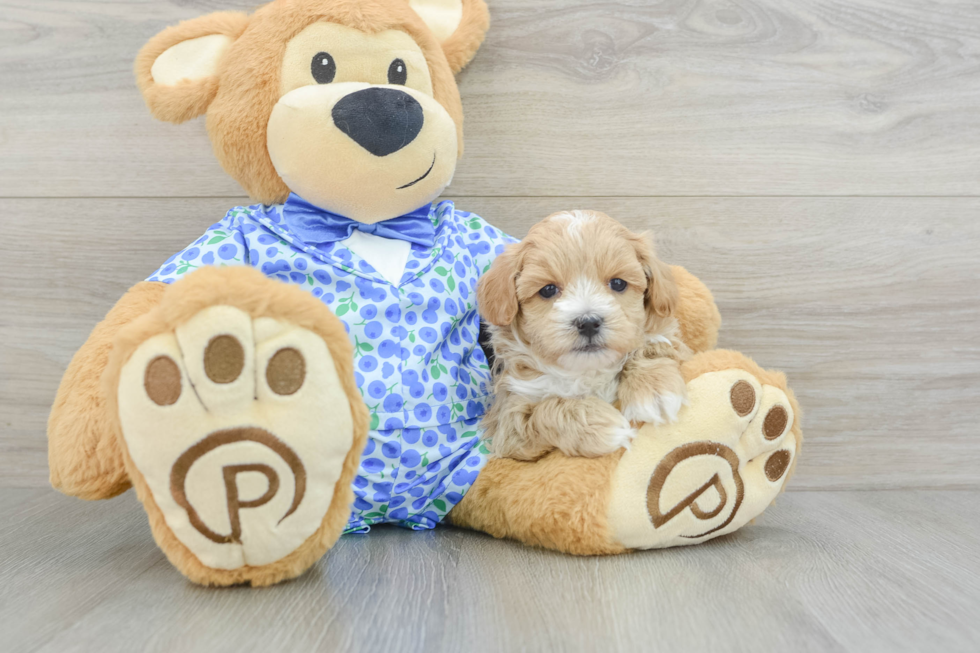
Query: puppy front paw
column 652, row 391
column 619, row 436
column 655, row 409
column 603, row 431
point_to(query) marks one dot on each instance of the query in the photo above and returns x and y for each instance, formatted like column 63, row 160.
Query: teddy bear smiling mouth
column 412, row 183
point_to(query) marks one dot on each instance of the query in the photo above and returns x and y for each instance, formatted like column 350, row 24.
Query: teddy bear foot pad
column 709, row 473
column 240, row 428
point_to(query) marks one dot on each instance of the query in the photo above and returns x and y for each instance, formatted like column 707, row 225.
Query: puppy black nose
column 588, row 326
column 381, row 120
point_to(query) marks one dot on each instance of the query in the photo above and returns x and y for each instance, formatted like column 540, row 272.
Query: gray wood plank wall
column 816, row 163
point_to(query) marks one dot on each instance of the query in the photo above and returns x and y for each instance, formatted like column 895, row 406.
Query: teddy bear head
column 350, row 104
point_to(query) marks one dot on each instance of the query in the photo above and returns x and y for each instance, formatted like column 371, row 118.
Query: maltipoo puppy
column 581, row 321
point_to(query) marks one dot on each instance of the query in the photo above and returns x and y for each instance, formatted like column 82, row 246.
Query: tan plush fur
column 697, row 314
column 465, row 41
column 188, row 99
column 557, row 502
column 562, row 503
column 555, row 387
column 240, row 99
column 259, row 296
column 83, row 452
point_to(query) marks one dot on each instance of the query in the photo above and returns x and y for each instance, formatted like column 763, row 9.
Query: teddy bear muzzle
column 368, row 152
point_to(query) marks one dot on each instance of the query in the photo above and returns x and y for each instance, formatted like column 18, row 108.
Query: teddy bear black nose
column 381, row 120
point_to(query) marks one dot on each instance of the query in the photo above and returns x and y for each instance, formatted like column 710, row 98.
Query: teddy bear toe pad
column 240, row 428
column 719, row 466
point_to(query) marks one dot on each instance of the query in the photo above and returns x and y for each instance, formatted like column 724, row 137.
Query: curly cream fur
column 553, row 394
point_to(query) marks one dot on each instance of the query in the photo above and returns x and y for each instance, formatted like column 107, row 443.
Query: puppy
column 581, row 316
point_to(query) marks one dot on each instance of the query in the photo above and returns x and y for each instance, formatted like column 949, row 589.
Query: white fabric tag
column 388, row 256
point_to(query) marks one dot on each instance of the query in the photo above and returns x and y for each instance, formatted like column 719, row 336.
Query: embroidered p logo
column 209, row 447
column 710, row 499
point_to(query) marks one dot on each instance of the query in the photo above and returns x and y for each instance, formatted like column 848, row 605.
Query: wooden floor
column 821, row 571
column 816, row 162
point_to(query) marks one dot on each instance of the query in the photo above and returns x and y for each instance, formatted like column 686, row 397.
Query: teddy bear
column 311, row 365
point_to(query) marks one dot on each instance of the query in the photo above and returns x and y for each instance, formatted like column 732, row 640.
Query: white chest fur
column 562, row 383
column 388, row 256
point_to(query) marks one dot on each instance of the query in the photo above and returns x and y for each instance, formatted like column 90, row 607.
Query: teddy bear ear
column 459, row 25
column 177, row 70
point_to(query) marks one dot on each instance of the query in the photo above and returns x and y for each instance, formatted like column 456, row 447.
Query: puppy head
column 581, row 290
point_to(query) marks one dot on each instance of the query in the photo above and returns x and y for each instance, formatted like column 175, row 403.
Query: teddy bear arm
column 83, row 454
column 556, row 502
column 696, row 311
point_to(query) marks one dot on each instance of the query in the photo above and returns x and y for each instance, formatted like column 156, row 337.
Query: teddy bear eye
column 397, row 72
column 549, row 291
column 324, row 68
column 618, row 285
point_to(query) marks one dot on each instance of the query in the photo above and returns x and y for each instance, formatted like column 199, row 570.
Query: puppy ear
column 458, row 25
column 496, row 295
column 177, row 70
column 662, row 294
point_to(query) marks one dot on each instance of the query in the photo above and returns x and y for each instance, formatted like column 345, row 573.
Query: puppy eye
column 548, row 291
column 324, row 68
column 618, row 285
column 397, row 72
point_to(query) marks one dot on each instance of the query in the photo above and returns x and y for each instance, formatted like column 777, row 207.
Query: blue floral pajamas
column 418, row 363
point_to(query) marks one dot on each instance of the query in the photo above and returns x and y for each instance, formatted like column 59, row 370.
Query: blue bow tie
column 316, row 226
